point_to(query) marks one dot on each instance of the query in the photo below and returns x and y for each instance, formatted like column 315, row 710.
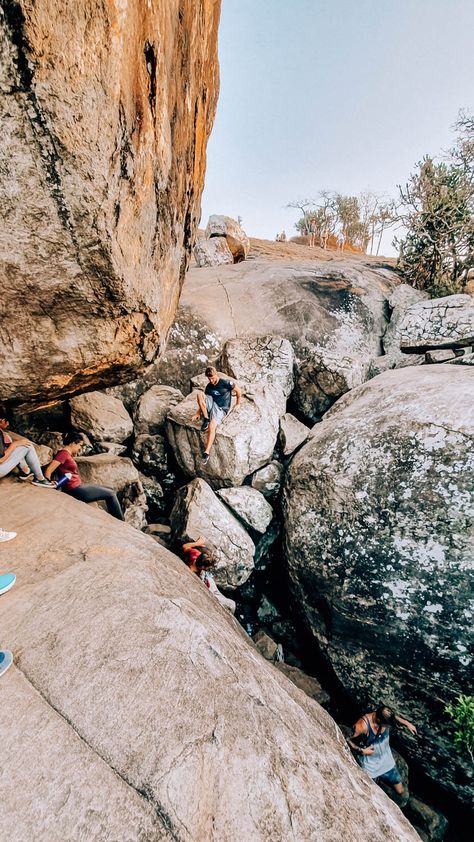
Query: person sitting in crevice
column 19, row 453
column 200, row 559
column 65, row 466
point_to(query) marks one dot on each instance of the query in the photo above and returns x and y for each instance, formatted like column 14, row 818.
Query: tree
column 437, row 209
column 304, row 205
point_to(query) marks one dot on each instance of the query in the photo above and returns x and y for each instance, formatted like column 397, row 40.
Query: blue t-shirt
column 221, row 392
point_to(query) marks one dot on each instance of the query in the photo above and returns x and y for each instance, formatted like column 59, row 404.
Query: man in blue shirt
column 214, row 404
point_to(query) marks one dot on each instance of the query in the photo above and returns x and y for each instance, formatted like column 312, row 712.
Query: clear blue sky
column 338, row 94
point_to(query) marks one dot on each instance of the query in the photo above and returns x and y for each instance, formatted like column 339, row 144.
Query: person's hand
column 411, row 728
column 367, row 751
column 200, row 540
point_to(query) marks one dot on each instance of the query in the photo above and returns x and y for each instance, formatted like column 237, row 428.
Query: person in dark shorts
column 370, row 740
column 64, row 463
column 214, row 404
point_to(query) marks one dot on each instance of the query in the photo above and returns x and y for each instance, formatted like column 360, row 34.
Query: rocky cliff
column 105, row 111
column 139, row 710
column 379, row 520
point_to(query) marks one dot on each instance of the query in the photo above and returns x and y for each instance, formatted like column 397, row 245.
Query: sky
column 344, row 95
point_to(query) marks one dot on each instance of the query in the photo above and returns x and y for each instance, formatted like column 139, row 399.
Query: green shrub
column 462, row 714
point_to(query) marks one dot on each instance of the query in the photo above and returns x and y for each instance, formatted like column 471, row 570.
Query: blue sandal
column 6, row 660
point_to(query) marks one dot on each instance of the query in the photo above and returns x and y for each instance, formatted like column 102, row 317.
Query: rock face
column 323, row 379
column 439, row 323
column 151, row 640
column 400, row 300
column 235, row 237
column 292, row 433
column 106, row 110
column 213, row 252
column 379, row 514
column 268, row 479
column 101, row 416
column 120, row 474
column 335, row 305
column 249, row 505
column 153, row 407
column 197, row 511
column 256, row 358
column 244, row 440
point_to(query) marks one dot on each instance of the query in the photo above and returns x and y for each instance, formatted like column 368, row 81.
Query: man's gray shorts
column 216, row 413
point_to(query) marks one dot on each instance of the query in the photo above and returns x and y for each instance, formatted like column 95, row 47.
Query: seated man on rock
column 372, row 748
column 214, row 405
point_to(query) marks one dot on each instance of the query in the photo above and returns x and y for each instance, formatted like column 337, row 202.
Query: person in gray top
column 370, row 740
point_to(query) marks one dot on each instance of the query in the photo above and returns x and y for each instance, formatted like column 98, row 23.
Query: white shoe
column 6, row 536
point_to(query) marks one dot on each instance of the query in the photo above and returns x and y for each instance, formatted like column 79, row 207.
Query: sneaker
column 205, row 458
column 7, row 580
column 6, row 536
column 6, row 660
column 204, row 425
column 25, row 477
column 43, row 483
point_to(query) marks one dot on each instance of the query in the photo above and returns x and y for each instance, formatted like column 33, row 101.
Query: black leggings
column 93, row 493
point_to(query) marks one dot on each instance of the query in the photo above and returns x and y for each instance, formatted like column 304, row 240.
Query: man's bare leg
column 211, row 434
column 202, row 408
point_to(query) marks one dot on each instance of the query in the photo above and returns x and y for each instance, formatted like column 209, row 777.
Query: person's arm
column 50, row 469
column 238, row 394
column 359, row 730
column 406, row 723
column 191, row 544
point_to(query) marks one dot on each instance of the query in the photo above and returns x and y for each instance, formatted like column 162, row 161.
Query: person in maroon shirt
column 64, row 463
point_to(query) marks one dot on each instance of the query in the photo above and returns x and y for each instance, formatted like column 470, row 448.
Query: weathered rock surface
column 237, row 241
column 197, row 511
column 439, row 323
column 339, row 305
column 106, row 110
column 154, row 496
column 244, row 440
column 254, row 359
column 307, row 683
column 379, row 514
column 441, row 356
column 214, row 252
column 153, row 645
column 267, row 647
column 324, row 378
column 111, row 447
column 153, row 407
column 249, row 505
column 430, row 822
column 268, row 479
column 101, row 416
column 120, row 474
column 399, row 301
column 292, row 433
column 150, row 455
